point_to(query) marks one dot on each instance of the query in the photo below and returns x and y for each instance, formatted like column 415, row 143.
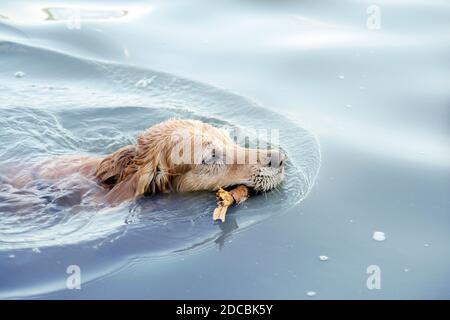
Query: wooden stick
column 226, row 198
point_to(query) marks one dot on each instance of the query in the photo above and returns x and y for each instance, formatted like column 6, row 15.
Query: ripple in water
column 87, row 107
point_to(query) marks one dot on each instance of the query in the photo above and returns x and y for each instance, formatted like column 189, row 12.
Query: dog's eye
column 213, row 153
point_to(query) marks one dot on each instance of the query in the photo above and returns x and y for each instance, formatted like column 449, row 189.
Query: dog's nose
column 276, row 159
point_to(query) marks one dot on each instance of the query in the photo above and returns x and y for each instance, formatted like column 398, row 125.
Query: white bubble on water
column 36, row 250
column 311, row 293
column 11, row 256
column 323, row 258
column 143, row 83
column 19, row 74
column 379, row 236
column 341, row 76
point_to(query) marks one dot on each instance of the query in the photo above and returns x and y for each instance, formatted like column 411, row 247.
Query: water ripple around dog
column 66, row 105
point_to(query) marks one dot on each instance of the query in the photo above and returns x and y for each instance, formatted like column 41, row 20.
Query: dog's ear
column 147, row 179
column 152, row 178
column 152, row 164
column 115, row 168
column 124, row 190
column 135, row 170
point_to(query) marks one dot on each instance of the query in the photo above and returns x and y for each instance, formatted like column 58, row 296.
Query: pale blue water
column 363, row 116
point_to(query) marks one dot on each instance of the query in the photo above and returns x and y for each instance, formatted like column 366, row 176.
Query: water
column 363, row 117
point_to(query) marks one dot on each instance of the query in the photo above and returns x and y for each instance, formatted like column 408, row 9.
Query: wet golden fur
column 148, row 165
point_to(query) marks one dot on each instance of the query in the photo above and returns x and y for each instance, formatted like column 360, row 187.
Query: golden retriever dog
column 172, row 156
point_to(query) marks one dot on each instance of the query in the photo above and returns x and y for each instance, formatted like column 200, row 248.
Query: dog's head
column 187, row 155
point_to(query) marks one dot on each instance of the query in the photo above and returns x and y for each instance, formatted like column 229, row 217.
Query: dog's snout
column 276, row 159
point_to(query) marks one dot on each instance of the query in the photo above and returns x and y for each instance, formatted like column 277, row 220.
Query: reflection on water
column 24, row 12
column 63, row 14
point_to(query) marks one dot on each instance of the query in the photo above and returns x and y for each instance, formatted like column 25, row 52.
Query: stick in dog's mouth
column 225, row 199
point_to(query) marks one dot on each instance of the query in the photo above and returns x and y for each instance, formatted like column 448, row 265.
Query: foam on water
column 379, row 236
